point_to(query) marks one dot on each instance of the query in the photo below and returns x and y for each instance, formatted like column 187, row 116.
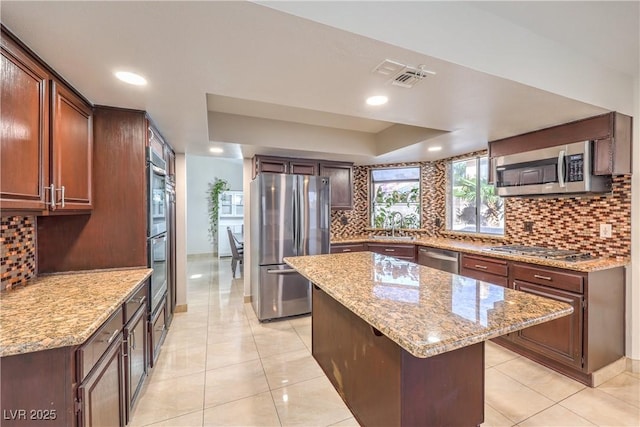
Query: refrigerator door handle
column 288, row 271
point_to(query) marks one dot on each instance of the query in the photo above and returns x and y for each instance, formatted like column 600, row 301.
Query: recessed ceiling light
column 436, row 148
column 131, row 78
column 377, row 100
column 216, row 150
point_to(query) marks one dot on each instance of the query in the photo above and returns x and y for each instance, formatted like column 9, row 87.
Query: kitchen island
column 403, row 344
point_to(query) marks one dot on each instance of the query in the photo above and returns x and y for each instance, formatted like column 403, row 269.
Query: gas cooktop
column 540, row 252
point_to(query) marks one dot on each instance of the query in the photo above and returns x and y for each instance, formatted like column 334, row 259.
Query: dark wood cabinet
column 559, row 339
column 398, row 250
column 157, row 332
column 46, row 156
column 338, row 248
column 303, row 167
column 341, row 180
column 24, row 113
column 589, row 339
column 100, row 395
column 491, row 270
column 339, row 173
column 71, row 151
column 610, row 133
column 136, row 357
column 136, row 347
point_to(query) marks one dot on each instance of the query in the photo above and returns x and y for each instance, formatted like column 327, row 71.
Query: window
column 473, row 207
column 395, row 190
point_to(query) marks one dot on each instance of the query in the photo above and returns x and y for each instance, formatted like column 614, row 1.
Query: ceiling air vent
column 402, row 75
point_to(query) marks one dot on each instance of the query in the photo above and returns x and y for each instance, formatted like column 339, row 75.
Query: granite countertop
column 424, row 310
column 479, row 248
column 61, row 310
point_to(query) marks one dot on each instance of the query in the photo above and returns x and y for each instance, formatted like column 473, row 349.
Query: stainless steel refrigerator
column 290, row 216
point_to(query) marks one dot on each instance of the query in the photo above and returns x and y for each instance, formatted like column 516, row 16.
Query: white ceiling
column 206, row 61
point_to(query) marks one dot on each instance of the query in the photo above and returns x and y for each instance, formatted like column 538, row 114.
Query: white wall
column 633, row 282
column 181, row 227
column 200, row 171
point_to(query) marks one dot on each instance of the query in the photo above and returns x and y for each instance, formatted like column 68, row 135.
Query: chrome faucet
column 393, row 222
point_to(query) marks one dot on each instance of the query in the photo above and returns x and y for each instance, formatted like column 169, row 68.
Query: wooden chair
column 237, row 252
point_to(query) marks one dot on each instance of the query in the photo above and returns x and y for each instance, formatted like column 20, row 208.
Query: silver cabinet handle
column 389, row 250
column 289, row 271
column 537, row 276
column 61, row 190
column 133, row 340
column 346, row 250
column 52, row 196
column 141, row 299
column 483, row 267
column 113, row 336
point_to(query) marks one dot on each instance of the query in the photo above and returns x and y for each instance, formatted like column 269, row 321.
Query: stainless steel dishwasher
column 440, row 259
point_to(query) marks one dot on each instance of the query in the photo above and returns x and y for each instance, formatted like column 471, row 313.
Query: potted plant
column 214, row 190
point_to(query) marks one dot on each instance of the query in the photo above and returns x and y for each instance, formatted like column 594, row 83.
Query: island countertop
column 425, row 311
column 60, row 310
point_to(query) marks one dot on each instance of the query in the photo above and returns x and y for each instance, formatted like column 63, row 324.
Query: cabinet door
column 136, row 357
column 270, row 164
column 24, row 135
column 157, row 332
column 559, row 339
column 303, row 167
column 101, row 395
column 341, row 178
column 71, row 150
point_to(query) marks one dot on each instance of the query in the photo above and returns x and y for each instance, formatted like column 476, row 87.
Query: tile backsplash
column 562, row 222
column 18, row 250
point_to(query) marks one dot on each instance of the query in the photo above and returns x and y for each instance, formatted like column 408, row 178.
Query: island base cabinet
column 383, row 384
column 33, row 393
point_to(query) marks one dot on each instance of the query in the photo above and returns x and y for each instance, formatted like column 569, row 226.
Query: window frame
column 372, row 193
column 450, row 211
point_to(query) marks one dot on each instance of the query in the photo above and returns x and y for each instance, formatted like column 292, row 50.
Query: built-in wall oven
column 157, row 227
column 562, row 169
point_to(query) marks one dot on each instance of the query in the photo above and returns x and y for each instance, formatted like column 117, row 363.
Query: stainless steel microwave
column 561, row 169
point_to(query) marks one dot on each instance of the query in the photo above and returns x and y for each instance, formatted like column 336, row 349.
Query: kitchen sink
column 409, row 238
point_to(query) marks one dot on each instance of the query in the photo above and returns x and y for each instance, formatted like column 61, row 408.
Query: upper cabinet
column 47, row 138
column 341, row 179
column 610, row 133
column 24, row 114
column 71, row 151
column 340, row 175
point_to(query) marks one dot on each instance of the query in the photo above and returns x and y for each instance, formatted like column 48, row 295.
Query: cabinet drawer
column 542, row 276
column 485, row 277
column 350, row 247
column 487, row 265
column 135, row 301
column 400, row 251
column 92, row 350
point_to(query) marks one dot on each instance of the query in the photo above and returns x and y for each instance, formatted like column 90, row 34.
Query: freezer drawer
column 281, row 292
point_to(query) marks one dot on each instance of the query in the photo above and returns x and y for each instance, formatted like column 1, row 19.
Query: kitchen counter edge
column 55, row 310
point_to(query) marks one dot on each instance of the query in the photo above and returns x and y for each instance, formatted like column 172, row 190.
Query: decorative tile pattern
column 423, row 310
column 18, row 250
column 563, row 222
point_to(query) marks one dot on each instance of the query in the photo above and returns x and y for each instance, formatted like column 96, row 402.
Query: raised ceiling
column 258, row 79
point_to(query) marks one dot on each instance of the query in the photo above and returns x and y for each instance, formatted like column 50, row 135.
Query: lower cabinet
column 491, row 270
column 136, row 357
column 339, row 248
column 559, row 339
column 398, row 250
column 100, row 396
column 157, row 332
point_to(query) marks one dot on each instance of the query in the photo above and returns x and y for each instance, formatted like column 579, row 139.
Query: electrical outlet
column 528, row 226
column 605, row 230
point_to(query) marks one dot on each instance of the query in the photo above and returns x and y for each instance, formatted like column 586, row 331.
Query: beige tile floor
column 220, row 367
